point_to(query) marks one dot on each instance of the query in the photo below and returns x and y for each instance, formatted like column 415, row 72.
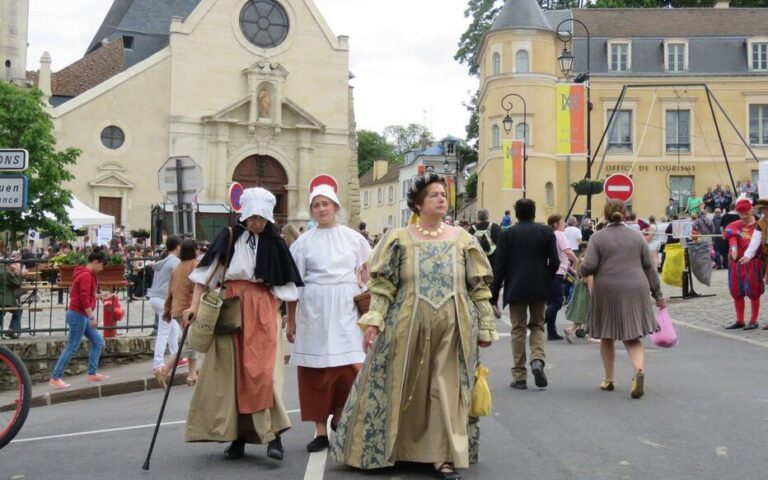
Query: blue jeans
column 15, row 325
column 79, row 325
column 555, row 304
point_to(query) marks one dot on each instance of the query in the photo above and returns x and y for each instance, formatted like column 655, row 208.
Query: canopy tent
column 81, row 215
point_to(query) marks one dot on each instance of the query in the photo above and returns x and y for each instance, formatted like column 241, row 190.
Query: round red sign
column 324, row 179
column 619, row 187
column 235, row 192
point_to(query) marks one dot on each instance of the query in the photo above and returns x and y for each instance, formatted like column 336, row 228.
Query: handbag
column 578, row 307
column 666, row 337
column 363, row 299
column 481, row 393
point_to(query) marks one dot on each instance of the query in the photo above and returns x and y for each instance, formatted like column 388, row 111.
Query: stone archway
column 266, row 172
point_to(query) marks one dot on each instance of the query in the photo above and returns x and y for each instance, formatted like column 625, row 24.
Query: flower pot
column 112, row 274
column 65, row 274
column 588, row 188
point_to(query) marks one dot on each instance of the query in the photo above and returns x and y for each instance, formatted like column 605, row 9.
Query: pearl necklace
column 429, row 233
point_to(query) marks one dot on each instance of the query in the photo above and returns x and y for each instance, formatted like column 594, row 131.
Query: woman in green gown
column 429, row 311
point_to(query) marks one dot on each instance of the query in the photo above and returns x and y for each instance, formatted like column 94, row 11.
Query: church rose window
column 112, row 137
column 264, row 23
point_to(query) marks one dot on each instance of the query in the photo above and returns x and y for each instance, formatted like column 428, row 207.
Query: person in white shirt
column 573, row 233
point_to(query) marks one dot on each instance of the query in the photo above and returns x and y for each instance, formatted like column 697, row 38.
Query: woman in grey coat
column 624, row 282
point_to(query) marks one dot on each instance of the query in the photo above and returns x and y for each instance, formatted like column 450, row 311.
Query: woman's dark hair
column 554, row 219
column 615, row 210
column 525, row 209
column 418, row 190
column 188, row 249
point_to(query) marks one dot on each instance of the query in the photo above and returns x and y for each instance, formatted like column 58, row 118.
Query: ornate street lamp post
column 507, row 105
column 565, row 60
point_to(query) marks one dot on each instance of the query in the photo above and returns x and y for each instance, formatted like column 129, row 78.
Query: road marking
column 316, row 465
column 650, row 443
column 757, row 343
column 107, row 430
column 721, row 451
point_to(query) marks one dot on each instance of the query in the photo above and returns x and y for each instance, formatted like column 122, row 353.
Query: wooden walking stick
column 165, row 398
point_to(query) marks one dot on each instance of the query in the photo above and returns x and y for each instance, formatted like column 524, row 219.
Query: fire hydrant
column 113, row 313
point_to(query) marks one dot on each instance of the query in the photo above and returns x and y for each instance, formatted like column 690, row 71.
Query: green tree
column 406, row 137
column 372, row 146
column 482, row 13
column 471, row 186
column 25, row 124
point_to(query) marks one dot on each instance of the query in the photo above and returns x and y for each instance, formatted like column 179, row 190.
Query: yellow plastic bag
column 481, row 394
column 674, row 262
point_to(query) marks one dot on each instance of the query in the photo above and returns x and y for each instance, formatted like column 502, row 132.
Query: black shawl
column 274, row 263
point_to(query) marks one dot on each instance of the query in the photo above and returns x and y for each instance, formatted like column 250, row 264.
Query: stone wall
column 40, row 355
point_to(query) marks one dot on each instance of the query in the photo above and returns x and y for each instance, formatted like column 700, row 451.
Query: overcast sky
column 401, row 52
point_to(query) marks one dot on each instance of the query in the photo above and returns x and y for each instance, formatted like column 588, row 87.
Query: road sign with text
column 13, row 159
column 13, row 192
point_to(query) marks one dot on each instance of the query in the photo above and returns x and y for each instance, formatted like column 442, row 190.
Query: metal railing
column 33, row 300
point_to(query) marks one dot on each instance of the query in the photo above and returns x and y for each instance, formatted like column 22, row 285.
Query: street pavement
column 705, row 416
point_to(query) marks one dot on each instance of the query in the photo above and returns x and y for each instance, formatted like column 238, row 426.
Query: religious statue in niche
column 264, row 104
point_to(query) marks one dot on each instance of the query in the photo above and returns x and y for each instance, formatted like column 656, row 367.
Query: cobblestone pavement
column 711, row 314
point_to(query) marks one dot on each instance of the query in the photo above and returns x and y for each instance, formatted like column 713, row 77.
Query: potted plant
column 114, row 270
column 67, row 264
column 140, row 233
column 588, row 186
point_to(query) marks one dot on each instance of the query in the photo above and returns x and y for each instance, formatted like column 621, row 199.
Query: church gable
column 111, row 180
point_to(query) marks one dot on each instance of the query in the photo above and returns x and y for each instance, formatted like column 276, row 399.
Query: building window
column 496, row 64
column 450, row 148
column 678, row 135
column 759, row 56
column 112, row 137
column 391, row 194
column 495, row 137
column 521, row 132
column 758, row 124
column 390, row 221
column 521, row 61
column 618, row 59
column 621, row 131
column 549, row 193
column 676, row 57
column 405, row 214
column 380, row 196
column 365, row 199
column 406, row 187
column 127, row 42
column 680, row 190
column 264, row 23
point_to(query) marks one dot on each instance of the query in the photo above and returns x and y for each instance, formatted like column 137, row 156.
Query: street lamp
column 565, row 61
column 507, row 105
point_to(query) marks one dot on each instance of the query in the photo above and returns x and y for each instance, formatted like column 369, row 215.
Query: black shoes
column 751, row 326
column 319, row 443
column 275, row 449
column 235, row 450
column 554, row 336
column 735, row 326
column 447, row 471
column 519, row 384
column 537, row 367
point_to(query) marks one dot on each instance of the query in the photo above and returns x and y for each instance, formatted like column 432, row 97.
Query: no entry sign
column 324, row 179
column 619, row 187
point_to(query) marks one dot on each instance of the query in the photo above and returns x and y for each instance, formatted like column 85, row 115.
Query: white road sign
column 13, row 159
column 13, row 192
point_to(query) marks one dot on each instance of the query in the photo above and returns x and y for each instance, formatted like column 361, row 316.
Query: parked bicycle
column 15, row 395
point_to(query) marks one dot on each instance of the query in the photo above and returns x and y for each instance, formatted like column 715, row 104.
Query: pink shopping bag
column 666, row 336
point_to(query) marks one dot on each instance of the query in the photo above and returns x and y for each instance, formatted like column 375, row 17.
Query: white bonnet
column 257, row 201
column 324, row 190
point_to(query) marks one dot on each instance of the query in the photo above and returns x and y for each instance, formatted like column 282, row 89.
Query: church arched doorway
column 266, row 172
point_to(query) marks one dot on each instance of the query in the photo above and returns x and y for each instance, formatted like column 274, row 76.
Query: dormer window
column 758, row 54
column 676, row 55
column 619, row 56
column 450, row 148
column 128, row 42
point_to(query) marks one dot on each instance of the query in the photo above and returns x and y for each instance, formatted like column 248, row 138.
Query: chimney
column 723, row 4
column 380, row 168
column 424, row 140
column 44, row 78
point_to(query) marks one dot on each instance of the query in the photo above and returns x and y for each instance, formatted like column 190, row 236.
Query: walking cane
column 165, row 398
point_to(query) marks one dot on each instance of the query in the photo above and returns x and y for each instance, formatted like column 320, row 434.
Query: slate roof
column 520, row 14
column 392, row 175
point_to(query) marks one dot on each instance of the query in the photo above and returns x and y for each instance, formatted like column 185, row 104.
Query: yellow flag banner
column 513, row 164
column 451, row 184
column 571, row 115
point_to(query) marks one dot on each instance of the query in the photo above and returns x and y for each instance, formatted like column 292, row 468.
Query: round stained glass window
column 264, row 23
column 112, row 137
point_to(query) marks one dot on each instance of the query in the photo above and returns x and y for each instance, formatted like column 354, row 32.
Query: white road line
column 721, row 334
column 106, row 430
column 316, row 465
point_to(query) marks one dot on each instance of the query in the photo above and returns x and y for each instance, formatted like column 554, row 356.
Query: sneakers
column 97, row 377
column 519, row 385
column 58, row 383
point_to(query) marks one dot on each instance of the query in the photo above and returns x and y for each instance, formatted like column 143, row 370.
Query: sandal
column 446, row 471
column 160, row 377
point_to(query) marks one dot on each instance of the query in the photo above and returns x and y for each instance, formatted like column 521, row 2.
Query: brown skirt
column 323, row 391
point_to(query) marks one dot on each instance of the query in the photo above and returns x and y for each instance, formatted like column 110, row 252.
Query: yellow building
column 380, row 206
column 664, row 134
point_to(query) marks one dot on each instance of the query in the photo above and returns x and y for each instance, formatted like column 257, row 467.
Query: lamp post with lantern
column 507, row 105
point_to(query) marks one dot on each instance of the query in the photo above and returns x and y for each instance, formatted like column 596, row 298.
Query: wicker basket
column 202, row 328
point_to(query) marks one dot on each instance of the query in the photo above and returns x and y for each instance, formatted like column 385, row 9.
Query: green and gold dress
column 411, row 401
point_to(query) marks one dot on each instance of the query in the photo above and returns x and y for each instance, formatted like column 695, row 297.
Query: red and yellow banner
column 451, row 184
column 571, row 116
column 513, row 164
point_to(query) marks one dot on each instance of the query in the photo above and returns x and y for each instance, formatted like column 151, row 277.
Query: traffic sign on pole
column 324, row 179
column 13, row 159
column 235, row 192
column 180, row 179
column 13, row 192
column 619, row 187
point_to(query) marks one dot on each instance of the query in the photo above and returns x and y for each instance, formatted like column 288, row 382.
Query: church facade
column 253, row 91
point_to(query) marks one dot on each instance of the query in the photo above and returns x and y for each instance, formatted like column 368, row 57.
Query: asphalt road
column 705, row 416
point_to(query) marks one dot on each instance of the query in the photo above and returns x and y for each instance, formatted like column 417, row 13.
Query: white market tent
column 81, row 215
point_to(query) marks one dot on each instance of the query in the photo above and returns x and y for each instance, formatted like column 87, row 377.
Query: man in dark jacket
column 526, row 263
column 10, row 291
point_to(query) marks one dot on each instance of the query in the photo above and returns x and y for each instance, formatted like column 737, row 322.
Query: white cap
column 257, row 201
column 324, row 191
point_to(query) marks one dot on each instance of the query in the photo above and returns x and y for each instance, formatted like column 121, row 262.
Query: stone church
column 254, row 91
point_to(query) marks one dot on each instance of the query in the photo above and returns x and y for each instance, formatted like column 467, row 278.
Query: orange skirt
column 255, row 346
column 323, row 391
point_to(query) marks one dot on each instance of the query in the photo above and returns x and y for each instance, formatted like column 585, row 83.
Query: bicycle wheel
column 15, row 395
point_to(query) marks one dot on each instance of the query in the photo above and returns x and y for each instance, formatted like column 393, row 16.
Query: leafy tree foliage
column 406, row 137
column 372, row 146
column 482, row 13
column 471, row 186
column 25, row 124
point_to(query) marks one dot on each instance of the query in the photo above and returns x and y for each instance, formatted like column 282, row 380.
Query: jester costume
column 744, row 280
